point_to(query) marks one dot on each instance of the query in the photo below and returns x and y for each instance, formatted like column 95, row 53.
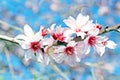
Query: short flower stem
column 9, row 63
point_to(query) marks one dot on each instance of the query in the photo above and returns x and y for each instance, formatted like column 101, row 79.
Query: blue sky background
column 46, row 12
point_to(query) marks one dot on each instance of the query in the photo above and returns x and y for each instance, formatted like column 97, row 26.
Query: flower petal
column 70, row 22
column 100, row 49
column 37, row 37
column 21, row 37
column 28, row 30
column 28, row 55
column 110, row 44
column 58, row 57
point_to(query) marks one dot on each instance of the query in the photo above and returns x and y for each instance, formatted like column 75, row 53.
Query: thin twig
column 108, row 29
column 55, row 67
column 9, row 64
column 10, row 39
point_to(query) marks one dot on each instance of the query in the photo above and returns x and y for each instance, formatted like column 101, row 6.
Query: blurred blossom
column 20, row 19
column 55, row 7
column 104, row 10
column 109, row 67
column 117, row 6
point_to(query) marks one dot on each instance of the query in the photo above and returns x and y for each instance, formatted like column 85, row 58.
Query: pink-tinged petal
column 71, row 60
column 28, row 30
column 58, row 57
column 110, row 44
column 80, row 49
column 28, row 55
column 59, row 49
column 100, row 49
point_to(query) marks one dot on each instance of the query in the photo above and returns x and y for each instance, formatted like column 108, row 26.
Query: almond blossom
column 69, row 53
column 80, row 25
column 99, row 43
column 58, row 43
column 31, row 42
column 59, row 34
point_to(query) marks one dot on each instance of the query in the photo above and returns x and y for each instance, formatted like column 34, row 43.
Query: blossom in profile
column 80, row 25
column 99, row 43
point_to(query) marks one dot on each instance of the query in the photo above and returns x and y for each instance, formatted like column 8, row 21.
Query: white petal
column 69, row 32
column 37, row 37
column 59, row 49
column 28, row 55
column 52, row 26
column 71, row 22
column 58, row 57
column 87, row 50
column 28, row 30
column 94, row 32
column 110, row 44
column 100, row 49
column 82, row 20
column 39, row 57
column 77, row 58
column 47, row 41
column 25, row 45
column 41, row 28
column 46, row 59
column 88, row 26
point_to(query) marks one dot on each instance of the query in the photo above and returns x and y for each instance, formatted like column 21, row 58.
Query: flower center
column 44, row 32
column 78, row 30
column 92, row 40
column 69, row 50
column 99, row 27
column 35, row 46
column 104, row 42
column 58, row 37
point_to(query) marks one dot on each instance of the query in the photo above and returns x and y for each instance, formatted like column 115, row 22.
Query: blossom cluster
column 58, row 43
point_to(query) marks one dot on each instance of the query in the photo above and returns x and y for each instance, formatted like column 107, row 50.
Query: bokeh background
column 15, row 13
